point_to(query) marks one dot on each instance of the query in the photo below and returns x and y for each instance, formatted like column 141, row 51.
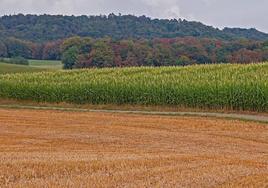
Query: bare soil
column 44, row 148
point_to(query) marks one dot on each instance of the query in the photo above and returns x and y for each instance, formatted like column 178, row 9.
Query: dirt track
column 76, row 149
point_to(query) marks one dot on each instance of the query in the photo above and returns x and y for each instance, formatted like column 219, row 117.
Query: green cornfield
column 233, row 87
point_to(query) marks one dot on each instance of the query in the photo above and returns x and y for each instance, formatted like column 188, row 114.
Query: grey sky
column 219, row 13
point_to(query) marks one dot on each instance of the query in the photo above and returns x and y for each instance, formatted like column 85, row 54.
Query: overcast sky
column 218, row 13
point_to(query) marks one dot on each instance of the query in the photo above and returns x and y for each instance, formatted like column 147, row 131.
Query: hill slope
column 47, row 27
column 12, row 68
column 34, row 66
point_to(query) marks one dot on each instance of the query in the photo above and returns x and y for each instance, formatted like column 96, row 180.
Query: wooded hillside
column 48, row 27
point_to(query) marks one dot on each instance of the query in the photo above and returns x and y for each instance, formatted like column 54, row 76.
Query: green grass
column 34, row 66
column 47, row 64
column 233, row 87
column 12, row 68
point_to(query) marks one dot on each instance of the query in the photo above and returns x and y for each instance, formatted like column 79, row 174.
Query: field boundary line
column 245, row 117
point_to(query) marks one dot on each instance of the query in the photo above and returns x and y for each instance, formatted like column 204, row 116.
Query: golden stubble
column 75, row 149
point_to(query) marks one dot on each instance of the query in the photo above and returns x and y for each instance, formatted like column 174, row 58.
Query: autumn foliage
column 87, row 52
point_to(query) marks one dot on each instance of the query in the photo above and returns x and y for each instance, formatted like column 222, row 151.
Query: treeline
column 12, row 47
column 83, row 52
column 86, row 52
column 45, row 28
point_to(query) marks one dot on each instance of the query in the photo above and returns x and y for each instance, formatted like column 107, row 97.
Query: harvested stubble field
column 82, row 149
